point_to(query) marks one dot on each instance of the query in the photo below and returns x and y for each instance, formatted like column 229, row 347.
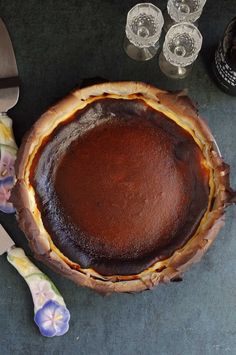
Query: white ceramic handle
column 50, row 312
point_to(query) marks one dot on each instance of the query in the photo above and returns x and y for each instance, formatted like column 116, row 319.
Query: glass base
column 172, row 71
column 169, row 22
column 140, row 54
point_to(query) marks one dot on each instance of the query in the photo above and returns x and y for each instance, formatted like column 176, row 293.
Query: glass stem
column 172, row 71
column 181, row 71
column 140, row 54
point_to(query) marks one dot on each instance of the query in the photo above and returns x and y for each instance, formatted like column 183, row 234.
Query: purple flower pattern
column 7, row 174
column 52, row 319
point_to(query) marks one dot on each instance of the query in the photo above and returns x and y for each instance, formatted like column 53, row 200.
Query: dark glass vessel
column 224, row 65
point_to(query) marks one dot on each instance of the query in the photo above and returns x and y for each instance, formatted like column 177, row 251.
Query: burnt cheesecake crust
column 120, row 186
column 123, row 193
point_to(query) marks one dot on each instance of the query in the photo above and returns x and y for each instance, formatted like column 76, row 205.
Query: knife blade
column 6, row 242
column 9, row 80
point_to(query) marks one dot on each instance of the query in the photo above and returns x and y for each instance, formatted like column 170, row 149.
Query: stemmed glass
column 182, row 44
column 183, row 11
column 143, row 29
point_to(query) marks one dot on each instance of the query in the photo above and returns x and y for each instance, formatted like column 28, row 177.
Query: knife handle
column 6, row 131
column 50, row 312
column 8, row 150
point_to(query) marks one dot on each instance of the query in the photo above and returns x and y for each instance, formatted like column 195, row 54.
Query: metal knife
column 51, row 314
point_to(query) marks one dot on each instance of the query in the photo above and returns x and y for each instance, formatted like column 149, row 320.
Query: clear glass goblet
column 183, row 11
column 182, row 44
column 143, row 29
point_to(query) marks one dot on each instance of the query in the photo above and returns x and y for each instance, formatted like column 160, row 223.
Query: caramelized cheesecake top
column 119, row 186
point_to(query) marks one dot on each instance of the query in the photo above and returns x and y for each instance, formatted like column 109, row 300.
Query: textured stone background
column 57, row 44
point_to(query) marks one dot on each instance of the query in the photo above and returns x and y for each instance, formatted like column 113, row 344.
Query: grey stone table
column 57, row 44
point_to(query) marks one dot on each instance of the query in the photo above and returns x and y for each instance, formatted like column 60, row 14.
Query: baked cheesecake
column 120, row 186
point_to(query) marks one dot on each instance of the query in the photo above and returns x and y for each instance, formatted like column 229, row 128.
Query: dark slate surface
column 57, row 44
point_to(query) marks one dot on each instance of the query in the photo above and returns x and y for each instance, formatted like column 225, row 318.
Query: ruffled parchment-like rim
column 176, row 106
